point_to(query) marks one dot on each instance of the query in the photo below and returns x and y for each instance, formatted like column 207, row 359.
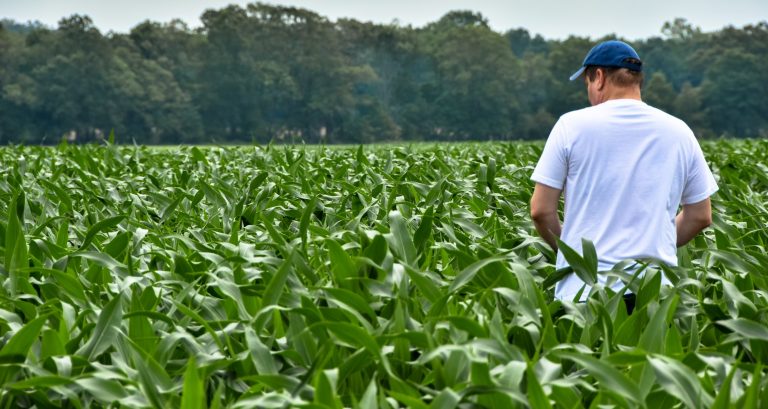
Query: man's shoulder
column 585, row 114
column 577, row 119
column 593, row 114
column 672, row 125
column 663, row 115
column 580, row 113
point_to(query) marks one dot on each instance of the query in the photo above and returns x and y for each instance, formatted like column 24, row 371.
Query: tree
column 538, row 89
column 734, row 90
column 659, row 92
column 563, row 59
column 390, row 95
column 679, row 29
column 688, row 106
column 261, row 72
column 477, row 78
column 67, row 84
column 521, row 42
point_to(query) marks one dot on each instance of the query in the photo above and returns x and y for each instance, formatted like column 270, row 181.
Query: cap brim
column 578, row 73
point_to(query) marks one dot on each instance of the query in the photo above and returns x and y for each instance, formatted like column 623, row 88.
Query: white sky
column 550, row 18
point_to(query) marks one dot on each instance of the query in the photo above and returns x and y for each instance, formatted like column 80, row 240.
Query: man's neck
column 622, row 93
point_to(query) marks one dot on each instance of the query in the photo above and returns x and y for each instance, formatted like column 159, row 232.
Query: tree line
column 264, row 73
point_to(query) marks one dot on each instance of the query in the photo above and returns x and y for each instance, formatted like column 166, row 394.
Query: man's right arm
column 692, row 220
column 544, row 204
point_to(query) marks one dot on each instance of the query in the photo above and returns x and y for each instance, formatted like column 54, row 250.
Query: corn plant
column 356, row 277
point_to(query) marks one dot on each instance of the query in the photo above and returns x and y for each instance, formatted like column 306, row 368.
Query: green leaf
column 101, row 259
column 590, row 256
column 105, row 331
column 356, row 336
column 351, row 299
column 306, row 216
column 491, row 173
column 422, row 234
column 466, row 275
column 106, row 224
column 409, row 401
column 723, row 396
column 402, row 243
column 41, row 382
column 746, row 328
column 468, row 325
column 752, row 396
column 153, row 378
column 612, row 381
column 16, row 258
column 583, row 268
column 325, row 388
column 368, row 400
column 377, row 250
column 679, row 381
column 70, row 285
column 342, row 266
column 147, row 381
column 446, row 399
column 193, row 394
column 652, row 339
column 59, row 192
column 51, row 344
column 140, row 329
column 557, row 276
column 105, row 390
column 276, row 285
column 536, row 396
column 167, row 211
column 424, row 284
column 21, row 341
column 198, row 155
column 19, row 345
column 260, row 354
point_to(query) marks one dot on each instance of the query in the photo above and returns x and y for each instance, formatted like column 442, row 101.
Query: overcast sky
column 550, row 18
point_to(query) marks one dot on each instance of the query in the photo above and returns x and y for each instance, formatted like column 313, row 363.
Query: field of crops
column 383, row 276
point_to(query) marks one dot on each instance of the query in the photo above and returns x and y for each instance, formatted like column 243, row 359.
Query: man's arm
column 544, row 213
column 692, row 220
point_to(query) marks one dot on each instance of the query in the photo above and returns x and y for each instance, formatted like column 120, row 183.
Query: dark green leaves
column 102, row 225
column 354, row 277
column 193, row 394
column 342, row 266
column 611, row 380
column 680, row 381
column 401, row 241
column 16, row 245
column 105, row 332
column 18, row 346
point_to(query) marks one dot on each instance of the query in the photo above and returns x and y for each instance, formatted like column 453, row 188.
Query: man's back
column 625, row 168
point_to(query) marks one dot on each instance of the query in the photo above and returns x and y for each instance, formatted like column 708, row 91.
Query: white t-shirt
column 625, row 168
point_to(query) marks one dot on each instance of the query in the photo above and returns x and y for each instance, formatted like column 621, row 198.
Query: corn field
column 356, row 277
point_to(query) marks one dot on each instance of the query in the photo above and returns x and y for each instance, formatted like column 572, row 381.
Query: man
column 625, row 168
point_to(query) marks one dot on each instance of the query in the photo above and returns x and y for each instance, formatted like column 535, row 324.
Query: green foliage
column 383, row 276
column 263, row 73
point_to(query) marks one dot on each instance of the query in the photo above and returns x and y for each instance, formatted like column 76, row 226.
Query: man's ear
column 600, row 78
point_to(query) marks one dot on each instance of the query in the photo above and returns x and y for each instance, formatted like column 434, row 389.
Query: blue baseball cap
column 612, row 53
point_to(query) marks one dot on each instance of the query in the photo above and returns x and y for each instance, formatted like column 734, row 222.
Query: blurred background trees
column 265, row 73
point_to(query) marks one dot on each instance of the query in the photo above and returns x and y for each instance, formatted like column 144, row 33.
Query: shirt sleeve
column 700, row 183
column 552, row 168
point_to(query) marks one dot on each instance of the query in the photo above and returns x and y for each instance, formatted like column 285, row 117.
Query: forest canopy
column 264, row 73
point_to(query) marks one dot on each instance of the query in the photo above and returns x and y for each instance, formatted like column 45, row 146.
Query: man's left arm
column 544, row 204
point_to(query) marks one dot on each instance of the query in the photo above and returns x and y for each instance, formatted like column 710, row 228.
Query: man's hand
column 544, row 213
column 692, row 220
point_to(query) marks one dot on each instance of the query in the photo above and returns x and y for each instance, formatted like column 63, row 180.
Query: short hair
column 622, row 77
